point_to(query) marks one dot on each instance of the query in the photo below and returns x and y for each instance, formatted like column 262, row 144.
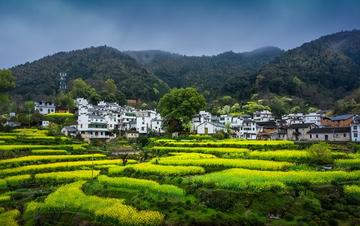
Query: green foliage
column 142, row 185
column 316, row 72
column 65, row 101
column 179, row 106
column 70, row 197
column 7, row 80
column 79, row 88
column 93, row 65
column 255, row 180
column 251, row 107
column 61, row 118
column 320, row 153
column 9, row 218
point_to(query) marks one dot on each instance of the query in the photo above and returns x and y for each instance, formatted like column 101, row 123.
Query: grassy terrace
column 58, row 166
column 242, row 179
column 200, row 181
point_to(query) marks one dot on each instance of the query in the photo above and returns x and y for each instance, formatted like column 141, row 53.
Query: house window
column 317, row 136
column 344, row 134
column 355, row 127
column 355, row 135
column 310, row 136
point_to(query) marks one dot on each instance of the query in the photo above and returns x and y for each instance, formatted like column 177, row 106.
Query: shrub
column 348, row 163
column 9, row 218
column 320, row 153
column 352, row 192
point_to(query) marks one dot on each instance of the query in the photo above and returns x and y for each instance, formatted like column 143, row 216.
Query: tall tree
column 7, row 82
column 179, row 106
column 79, row 88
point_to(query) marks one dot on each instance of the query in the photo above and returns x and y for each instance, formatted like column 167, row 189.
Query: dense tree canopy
column 79, row 88
column 179, row 106
column 7, row 80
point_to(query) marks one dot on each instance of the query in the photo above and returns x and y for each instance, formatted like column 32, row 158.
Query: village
column 109, row 120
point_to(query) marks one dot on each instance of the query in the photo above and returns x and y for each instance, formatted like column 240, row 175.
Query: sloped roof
column 330, row 130
column 213, row 123
column 300, row 125
column 341, row 117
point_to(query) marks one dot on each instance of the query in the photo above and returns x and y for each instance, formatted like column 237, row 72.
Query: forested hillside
column 318, row 73
column 95, row 65
column 228, row 73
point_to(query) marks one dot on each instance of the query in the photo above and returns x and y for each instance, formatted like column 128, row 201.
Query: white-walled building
column 247, row 130
column 44, row 107
column 313, row 117
column 263, row 116
column 355, row 129
column 209, row 128
column 93, row 127
column 293, row 118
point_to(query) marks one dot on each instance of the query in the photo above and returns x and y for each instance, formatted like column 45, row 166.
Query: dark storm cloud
column 33, row 29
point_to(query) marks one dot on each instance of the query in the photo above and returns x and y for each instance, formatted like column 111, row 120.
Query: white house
column 223, row 119
column 93, row 127
column 263, row 116
column 203, row 116
column 209, row 128
column 143, row 120
column 247, row 130
column 330, row 134
column 355, row 129
column 44, row 107
column 294, row 118
column 157, row 125
column 313, row 117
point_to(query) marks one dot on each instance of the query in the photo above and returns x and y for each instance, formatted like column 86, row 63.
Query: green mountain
column 319, row 72
column 212, row 75
column 40, row 79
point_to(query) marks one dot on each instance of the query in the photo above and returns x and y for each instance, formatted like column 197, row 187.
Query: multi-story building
column 299, row 131
column 263, row 116
column 355, row 129
column 44, row 107
column 247, row 130
column 313, row 117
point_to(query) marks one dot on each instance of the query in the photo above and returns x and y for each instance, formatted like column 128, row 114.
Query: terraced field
column 57, row 181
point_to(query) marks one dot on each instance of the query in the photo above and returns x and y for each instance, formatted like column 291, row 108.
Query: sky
column 32, row 29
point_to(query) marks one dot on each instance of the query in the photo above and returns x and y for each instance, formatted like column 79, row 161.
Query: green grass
column 254, row 180
column 49, row 152
column 142, row 185
column 112, row 211
column 147, row 168
column 48, row 158
column 10, row 147
column 205, row 150
column 227, row 163
column 66, row 176
column 49, row 167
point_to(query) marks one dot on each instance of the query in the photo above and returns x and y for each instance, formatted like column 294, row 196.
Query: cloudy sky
column 31, row 29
